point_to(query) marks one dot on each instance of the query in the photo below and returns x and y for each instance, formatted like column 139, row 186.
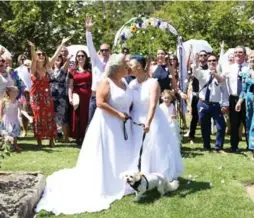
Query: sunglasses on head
column 212, row 60
column 41, row 54
column 203, row 55
column 80, row 56
column 106, row 50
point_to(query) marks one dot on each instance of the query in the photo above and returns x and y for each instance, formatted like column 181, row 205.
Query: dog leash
column 143, row 138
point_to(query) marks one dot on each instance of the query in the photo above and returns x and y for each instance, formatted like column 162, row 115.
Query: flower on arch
column 133, row 28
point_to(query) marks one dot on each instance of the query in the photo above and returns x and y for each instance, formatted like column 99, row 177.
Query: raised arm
column 154, row 98
column 89, row 41
column 34, row 57
column 102, row 95
column 57, row 52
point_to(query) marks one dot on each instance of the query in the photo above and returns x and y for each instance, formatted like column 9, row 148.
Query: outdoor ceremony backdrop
column 47, row 22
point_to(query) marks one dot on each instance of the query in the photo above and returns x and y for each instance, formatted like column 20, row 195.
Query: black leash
column 143, row 138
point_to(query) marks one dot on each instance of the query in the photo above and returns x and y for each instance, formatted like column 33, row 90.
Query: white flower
column 81, row 37
column 222, row 181
column 211, row 184
column 77, row 21
column 99, row 31
column 127, row 33
column 138, row 31
column 152, row 38
column 118, row 11
column 143, row 32
column 33, row 10
column 163, row 25
column 59, row 6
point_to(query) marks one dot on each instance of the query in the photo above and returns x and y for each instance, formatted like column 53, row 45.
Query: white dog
column 142, row 183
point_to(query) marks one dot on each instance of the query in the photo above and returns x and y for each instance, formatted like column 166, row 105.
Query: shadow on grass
column 29, row 144
column 187, row 187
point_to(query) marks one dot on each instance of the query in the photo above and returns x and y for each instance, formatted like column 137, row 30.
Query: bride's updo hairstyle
column 140, row 59
column 114, row 64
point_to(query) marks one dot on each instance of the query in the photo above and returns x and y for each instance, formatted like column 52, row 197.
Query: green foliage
column 47, row 22
column 5, row 151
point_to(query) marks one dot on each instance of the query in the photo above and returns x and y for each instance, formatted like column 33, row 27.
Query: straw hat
column 75, row 100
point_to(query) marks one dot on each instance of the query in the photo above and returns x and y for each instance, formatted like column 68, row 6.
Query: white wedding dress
column 95, row 181
column 161, row 151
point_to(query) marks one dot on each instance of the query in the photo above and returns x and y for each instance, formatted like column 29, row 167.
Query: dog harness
column 138, row 183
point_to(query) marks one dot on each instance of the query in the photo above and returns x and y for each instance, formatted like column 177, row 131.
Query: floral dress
column 248, row 95
column 10, row 123
column 59, row 96
column 42, row 107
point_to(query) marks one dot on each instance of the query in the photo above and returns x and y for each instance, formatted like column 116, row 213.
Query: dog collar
column 137, row 184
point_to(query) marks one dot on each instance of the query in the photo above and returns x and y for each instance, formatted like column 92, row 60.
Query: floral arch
column 143, row 22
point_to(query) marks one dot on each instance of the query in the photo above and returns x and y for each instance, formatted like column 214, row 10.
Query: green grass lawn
column 211, row 187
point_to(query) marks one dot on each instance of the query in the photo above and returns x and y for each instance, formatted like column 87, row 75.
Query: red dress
column 42, row 107
column 82, row 82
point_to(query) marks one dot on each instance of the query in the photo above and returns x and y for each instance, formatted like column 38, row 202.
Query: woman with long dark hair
column 80, row 81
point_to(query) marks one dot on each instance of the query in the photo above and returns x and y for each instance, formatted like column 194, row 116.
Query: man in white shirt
column 98, row 60
column 232, row 75
column 213, row 103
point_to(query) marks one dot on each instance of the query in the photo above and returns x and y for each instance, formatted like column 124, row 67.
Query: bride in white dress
column 161, row 151
column 95, row 181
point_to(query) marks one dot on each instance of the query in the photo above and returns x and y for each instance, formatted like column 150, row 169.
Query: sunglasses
column 102, row 50
column 40, row 54
column 2, row 60
column 203, row 55
column 238, row 52
column 213, row 60
column 80, row 56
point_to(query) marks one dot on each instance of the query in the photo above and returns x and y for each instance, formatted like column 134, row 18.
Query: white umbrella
column 73, row 49
column 224, row 57
column 6, row 54
column 197, row 46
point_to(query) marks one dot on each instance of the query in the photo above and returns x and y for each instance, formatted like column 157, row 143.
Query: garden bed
column 19, row 193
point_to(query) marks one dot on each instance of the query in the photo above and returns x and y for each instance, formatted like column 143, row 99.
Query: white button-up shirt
column 231, row 76
column 98, row 65
column 218, row 91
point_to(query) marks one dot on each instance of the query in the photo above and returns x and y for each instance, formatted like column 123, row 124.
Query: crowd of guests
column 61, row 100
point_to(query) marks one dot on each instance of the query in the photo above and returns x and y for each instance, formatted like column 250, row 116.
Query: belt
column 208, row 102
column 233, row 96
column 84, row 86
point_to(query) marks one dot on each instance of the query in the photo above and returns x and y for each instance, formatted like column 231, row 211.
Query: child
column 10, row 112
column 168, row 108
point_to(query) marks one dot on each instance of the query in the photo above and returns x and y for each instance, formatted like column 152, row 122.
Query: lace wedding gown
column 161, row 151
column 95, row 181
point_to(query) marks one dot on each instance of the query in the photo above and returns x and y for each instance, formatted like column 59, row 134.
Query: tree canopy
column 47, row 22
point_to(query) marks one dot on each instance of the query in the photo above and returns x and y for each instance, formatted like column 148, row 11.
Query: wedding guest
column 233, row 78
column 41, row 100
column 98, row 61
column 80, row 82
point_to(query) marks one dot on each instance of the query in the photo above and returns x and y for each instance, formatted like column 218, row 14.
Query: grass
column 212, row 185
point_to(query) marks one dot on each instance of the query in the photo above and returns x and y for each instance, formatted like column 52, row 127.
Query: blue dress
column 248, row 94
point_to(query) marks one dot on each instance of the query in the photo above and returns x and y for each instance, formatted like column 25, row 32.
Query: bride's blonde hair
column 114, row 63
